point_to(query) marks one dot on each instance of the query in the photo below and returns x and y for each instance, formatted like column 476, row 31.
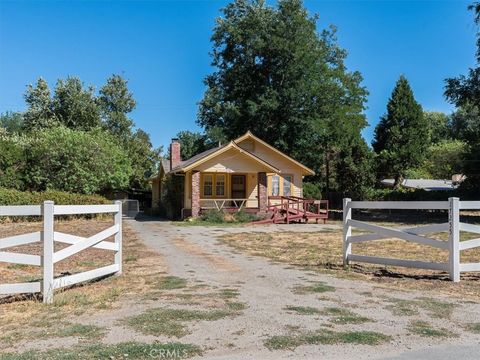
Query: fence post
column 47, row 263
column 454, row 238
column 347, row 230
column 118, row 237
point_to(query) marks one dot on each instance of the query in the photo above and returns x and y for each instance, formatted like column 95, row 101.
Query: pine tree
column 401, row 137
column 279, row 77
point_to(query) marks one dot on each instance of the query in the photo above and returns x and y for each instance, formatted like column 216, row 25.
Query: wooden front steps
column 286, row 209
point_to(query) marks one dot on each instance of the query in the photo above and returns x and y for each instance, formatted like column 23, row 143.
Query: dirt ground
column 268, row 292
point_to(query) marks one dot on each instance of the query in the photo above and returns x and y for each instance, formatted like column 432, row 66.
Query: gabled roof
column 166, row 165
column 210, row 154
column 194, row 159
column 202, row 157
column 249, row 135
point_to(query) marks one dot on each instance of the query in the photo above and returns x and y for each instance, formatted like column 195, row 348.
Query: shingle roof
column 193, row 159
column 425, row 184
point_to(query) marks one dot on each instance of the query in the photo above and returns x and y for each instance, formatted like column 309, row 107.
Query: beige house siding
column 187, row 193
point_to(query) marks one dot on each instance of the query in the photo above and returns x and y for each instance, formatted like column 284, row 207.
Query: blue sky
column 162, row 48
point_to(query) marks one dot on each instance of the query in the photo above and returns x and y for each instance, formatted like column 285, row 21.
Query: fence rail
column 49, row 257
column 415, row 234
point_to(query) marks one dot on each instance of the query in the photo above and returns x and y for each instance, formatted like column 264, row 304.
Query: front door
column 238, row 187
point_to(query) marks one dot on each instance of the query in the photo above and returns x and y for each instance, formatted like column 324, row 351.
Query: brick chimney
column 175, row 157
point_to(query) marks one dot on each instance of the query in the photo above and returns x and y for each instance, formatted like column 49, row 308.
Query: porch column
column 262, row 192
column 195, row 193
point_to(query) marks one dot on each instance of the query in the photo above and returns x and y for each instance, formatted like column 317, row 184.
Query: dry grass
column 26, row 316
column 322, row 251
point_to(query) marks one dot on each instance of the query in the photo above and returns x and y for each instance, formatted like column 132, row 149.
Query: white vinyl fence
column 49, row 257
column 415, row 234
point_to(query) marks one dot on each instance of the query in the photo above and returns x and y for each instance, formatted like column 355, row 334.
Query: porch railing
column 220, row 204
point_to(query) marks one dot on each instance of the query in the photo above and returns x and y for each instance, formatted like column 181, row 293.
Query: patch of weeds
column 283, row 342
column 303, row 310
column 128, row 350
column 424, row 329
column 71, row 298
column 29, row 278
column 18, row 267
column 131, row 258
column 236, row 305
column 11, row 337
column 363, row 337
column 80, row 330
column 318, row 287
column 326, row 337
column 474, row 328
column 170, row 322
column 229, row 293
column 343, row 316
column 437, row 309
column 170, row 283
column 400, row 307
column 88, row 264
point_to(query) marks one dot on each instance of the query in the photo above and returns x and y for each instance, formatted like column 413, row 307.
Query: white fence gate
column 453, row 227
column 48, row 236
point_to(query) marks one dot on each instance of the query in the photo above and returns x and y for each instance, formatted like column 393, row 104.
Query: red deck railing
column 285, row 209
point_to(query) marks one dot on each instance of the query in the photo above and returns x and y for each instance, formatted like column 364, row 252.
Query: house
column 244, row 174
column 424, row 184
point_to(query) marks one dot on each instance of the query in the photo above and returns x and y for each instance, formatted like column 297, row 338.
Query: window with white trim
column 220, row 185
column 275, row 185
column 207, row 185
column 287, row 185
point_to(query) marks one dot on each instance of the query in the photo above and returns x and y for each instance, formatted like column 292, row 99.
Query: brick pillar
column 262, row 192
column 195, row 193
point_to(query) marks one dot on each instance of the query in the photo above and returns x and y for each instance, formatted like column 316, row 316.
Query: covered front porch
column 230, row 192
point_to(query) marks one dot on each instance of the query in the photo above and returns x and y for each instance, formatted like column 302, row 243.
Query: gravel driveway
column 267, row 288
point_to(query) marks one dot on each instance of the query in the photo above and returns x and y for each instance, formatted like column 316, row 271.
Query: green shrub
column 12, row 162
column 171, row 202
column 76, row 161
column 244, row 217
column 312, row 191
column 15, row 197
column 213, row 216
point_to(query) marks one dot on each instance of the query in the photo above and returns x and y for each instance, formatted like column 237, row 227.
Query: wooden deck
column 287, row 209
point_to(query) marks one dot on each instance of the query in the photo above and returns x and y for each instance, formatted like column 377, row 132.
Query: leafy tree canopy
column 439, row 126
column 12, row 122
column 77, row 107
column 464, row 92
column 278, row 77
column 115, row 102
column 76, row 161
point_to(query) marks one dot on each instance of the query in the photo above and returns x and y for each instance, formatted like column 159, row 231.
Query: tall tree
column 74, row 105
column 116, row 101
column 40, row 113
column 401, row 135
column 79, row 108
column 464, row 92
column 144, row 158
column 439, row 126
column 278, row 77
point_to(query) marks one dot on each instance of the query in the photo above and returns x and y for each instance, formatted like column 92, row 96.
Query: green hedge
column 15, row 197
